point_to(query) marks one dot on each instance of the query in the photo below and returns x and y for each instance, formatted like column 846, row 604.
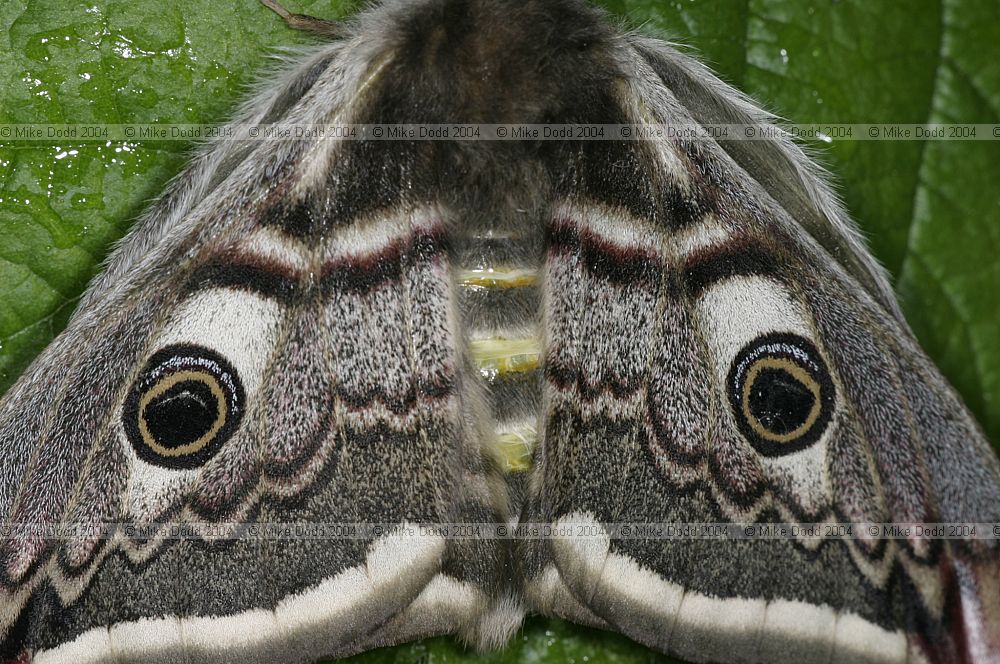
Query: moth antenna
column 305, row 22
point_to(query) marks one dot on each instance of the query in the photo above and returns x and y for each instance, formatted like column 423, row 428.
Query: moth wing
column 779, row 164
column 723, row 265
column 270, row 362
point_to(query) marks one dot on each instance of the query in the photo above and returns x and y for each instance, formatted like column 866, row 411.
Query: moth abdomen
column 500, row 301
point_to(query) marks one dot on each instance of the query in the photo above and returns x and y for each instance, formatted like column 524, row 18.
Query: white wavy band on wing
column 322, row 619
column 699, row 627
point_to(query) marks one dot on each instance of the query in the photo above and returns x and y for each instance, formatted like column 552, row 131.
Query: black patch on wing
column 269, row 281
column 735, row 259
column 301, row 219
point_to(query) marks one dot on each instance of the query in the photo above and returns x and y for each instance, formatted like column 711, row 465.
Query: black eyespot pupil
column 779, row 401
column 182, row 414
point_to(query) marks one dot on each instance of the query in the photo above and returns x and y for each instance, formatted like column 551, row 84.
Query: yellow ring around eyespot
column 799, row 374
column 161, row 388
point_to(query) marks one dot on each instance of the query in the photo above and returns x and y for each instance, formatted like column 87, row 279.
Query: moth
column 351, row 331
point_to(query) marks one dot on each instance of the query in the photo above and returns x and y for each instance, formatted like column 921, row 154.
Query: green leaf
column 930, row 209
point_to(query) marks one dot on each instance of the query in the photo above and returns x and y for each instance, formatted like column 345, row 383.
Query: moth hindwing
column 312, row 359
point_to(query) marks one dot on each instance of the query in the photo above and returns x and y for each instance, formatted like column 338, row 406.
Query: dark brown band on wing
column 741, row 258
column 367, row 271
column 602, row 258
column 298, row 220
column 266, row 279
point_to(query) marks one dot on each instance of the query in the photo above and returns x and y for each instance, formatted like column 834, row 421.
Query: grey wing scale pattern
column 327, row 334
column 641, row 423
column 343, row 331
